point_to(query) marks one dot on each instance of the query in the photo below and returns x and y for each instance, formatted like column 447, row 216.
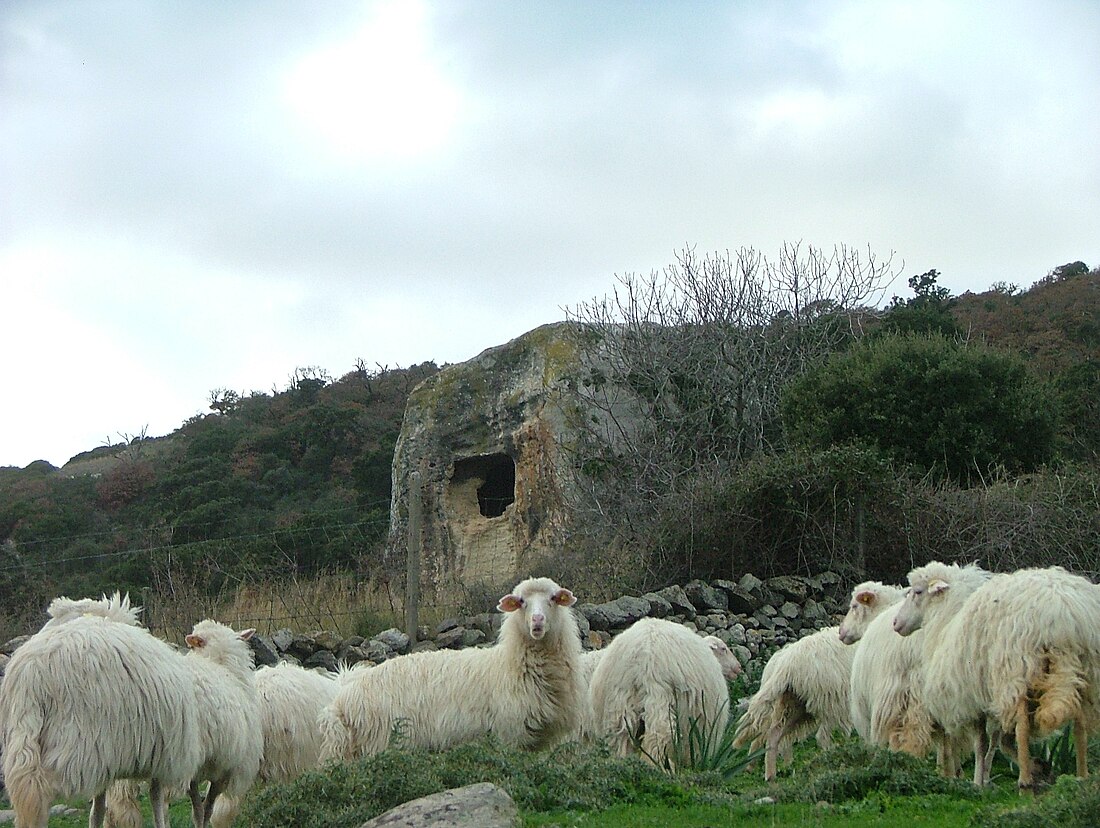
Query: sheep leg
column 198, row 816
column 771, row 752
column 1023, row 739
column 1081, row 744
column 981, row 748
column 159, row 803
column 216, row 786
column 98, row 810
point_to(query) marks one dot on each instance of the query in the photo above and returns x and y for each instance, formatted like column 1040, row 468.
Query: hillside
column 298, row 481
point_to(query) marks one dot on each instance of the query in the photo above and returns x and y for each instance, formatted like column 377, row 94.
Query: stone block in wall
column 791, row 587
column 615, row 615
column 321, row 658
column 678, row 600
column 739, row 600
column 813, row 612
column 704, row 597
column 301, row 647
column 282, row 639
column 352, row 654
column 451, row 638
column 446, row 625
column 395, row 640
column 790, row 610
column 327, row 640
column 263, row 651
column 659, row 607
column 472, row 637
column 750, row 582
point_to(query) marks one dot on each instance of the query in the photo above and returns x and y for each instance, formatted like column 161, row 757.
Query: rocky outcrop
column 485, row 437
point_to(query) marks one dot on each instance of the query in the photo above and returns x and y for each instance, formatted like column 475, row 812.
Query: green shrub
column 572, row 777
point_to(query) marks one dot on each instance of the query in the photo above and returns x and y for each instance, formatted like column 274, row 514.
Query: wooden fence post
column 412, row 573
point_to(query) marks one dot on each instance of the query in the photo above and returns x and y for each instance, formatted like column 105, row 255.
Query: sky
column 206, row 195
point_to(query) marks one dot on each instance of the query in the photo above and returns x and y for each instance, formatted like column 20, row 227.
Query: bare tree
column 704, row 348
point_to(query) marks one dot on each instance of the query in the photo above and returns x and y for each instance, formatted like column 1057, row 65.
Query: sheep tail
column 123, row 810
column 1058, row 688
column 29, row 789
column 763, row 712
column 660, row 714
column 336, row 737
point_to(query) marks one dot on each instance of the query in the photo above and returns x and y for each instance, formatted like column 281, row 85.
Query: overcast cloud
column 206, row 195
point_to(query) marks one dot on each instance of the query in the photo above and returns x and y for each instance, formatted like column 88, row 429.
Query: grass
column 579, row 786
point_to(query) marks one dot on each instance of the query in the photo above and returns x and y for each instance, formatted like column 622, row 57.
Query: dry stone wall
column 754, row 617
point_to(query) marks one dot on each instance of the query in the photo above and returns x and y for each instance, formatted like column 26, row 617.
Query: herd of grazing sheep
column 961, row 661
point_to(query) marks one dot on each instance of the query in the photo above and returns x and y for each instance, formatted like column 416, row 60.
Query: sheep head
column 538, row 599
column 731, row 667
column 868, row 600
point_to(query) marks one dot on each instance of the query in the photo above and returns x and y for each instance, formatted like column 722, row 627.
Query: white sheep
column 220, row 667
column 291, row 697
column 886, row 688
column 1016, row 652
column 803, row 689
column 656, row 682
column 87, row 701
column 525, row 689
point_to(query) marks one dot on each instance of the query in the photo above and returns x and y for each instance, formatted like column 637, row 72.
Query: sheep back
column 89, row 701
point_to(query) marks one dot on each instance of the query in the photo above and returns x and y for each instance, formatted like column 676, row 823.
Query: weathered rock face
column 485, row 437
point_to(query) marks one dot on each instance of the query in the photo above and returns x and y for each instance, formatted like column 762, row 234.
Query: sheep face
column 731, row 667
column 868, row 599
column 538, row 599
column 922, row 595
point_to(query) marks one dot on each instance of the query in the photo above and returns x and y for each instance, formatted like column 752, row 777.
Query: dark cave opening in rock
column 498, row 491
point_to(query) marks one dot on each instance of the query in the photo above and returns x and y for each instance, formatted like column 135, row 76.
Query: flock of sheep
column 961, row 660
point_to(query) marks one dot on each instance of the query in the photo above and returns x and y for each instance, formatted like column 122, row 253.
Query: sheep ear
column 936, row 587
column 195, row 641
column 564, row 598
column 865, row 597
column 244, row 635
column 510, row 603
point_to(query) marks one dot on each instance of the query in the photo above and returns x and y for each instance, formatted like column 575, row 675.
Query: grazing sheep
column 87, row 701
column 220, row 668
column 656, row 681
column 1016, row 652
column 526, row 689
column 804, row 688
column 291, row 697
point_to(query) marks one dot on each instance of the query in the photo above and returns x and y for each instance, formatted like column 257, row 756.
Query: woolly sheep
column 731, row 668
column 220, row 668
column 134, row 716
column 657, row 680
column 804, row 687
column 291, row 697
column 1019, row 652
column 525, row 689
column 886, row 686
